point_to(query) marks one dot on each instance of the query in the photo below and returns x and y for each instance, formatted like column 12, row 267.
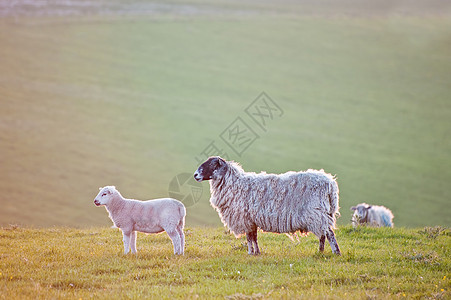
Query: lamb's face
column 213, row 168
column 104, row 196
column 360, row 211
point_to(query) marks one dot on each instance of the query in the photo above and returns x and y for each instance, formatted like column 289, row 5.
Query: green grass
column 131, row 98
column 68, row 263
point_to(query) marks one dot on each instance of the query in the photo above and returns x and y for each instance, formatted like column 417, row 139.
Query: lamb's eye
column 104, row 194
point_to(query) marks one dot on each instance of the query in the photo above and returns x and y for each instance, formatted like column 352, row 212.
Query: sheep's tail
column 333, row 200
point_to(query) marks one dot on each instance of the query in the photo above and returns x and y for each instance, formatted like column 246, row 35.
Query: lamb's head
column 361, row 212
column 105, row 195
column 213, row 168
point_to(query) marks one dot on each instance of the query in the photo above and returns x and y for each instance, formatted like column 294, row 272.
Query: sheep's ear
column 353, row 208
column 100, row 188
column 369, row 206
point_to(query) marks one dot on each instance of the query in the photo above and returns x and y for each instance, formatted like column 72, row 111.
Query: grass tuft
column 434, row 232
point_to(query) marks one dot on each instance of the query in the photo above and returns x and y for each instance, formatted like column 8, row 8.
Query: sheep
column 372, row 215
column 152, row 216
column 279, row 203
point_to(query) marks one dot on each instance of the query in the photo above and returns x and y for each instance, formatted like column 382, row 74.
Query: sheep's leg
column 182, row 240
column 256, row 248
column 133, row 241
column 322, row 240
column 250, row 248
column 252, row 244
column 333, row 242
column 175, row 237
column 126, row 239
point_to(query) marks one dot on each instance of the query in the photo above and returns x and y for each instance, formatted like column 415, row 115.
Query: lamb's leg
column 333, row 242
column 133, row 241
column 175, row 237
column 182, row 240
column 322, row 240
column 126, row 239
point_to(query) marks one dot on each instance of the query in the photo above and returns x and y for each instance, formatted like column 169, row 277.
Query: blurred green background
column 129, row 93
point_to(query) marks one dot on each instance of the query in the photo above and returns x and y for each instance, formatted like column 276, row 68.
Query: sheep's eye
column 104, row 194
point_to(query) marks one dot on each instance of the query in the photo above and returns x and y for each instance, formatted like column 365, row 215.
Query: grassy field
column 129, row 93
column 89, row 263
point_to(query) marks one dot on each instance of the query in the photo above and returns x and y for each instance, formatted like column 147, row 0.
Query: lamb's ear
column 353, row 208
column 369, row 206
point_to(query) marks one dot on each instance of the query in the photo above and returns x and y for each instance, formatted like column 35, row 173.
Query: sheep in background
column 285, row 203
column 372, row 215
column 152, row 216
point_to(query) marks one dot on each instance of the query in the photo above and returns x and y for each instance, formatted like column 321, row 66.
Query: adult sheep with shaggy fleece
column 152, row 216
column 372, row 215
column 284, row 203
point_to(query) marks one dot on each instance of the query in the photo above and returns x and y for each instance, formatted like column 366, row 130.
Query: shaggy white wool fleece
column 293, row 201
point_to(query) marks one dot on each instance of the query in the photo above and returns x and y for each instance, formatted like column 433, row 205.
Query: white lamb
column 152, row 216
column 372, row 215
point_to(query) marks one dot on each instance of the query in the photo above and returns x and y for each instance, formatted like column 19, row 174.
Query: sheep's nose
column 197, row 176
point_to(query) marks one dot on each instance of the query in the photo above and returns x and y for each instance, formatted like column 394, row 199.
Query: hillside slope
column 133, row 93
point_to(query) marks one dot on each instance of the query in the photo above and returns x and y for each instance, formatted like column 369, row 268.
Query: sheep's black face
column 213, row 168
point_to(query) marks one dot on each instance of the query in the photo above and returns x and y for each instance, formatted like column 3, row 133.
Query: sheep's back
column 158, row 211
column 293, row 201
column 380, row 216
